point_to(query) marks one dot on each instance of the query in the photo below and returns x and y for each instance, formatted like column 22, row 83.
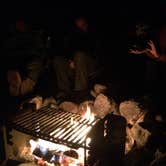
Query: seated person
column 156, row 76
column 150, row 52
column 72, row 73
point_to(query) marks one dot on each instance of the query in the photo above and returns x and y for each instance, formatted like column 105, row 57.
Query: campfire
column 56, row 153
column 62, row 137
column 66, row 135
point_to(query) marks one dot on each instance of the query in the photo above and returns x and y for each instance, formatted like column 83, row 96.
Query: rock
column 140, row 135
column 38, row 100
column 129, row 141
column 103, row 105
column 26, row 155
column 69, row 106
column 134, row 115
column 32, row 103
column 131, row 111
column 137, row 134
column 49, row 101
column 93, row 93
column 99, row 88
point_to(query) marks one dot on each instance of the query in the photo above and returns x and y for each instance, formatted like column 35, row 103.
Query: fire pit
column 56, row 126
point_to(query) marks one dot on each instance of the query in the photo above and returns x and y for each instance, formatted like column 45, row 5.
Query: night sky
column 53, row 14
column 111, row 20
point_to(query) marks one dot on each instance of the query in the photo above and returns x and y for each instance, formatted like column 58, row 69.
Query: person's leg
column 34, row 68
column 61, row 68
column 85, row 66
column 22, row 85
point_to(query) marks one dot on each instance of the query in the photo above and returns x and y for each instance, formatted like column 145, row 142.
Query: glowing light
column 52, row 133
column 33, row 145
column 88, row 140
column 83, row 133
column 75, row 130
column 60, row 148
column 88, row 115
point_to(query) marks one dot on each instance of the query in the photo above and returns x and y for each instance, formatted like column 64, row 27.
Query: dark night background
column 110, row 20
column 58, row 16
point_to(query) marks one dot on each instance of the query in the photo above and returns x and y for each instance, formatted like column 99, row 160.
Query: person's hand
column 133, row 51
column 71, row 64
column 152, row 52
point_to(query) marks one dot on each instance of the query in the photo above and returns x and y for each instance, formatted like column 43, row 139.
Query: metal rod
column 55, row 125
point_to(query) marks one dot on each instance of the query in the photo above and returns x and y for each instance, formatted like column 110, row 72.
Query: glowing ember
column 60, row 149
column 88, row 141
column 46, row 144
column 72, row 129
column 33, row 145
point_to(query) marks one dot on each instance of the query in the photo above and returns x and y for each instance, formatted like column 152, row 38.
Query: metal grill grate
column 54, row 125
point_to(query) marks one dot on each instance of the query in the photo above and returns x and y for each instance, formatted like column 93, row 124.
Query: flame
column 33, row 145
column 88, row 141
column 58, row 147
column 75, row 136
column 47, row 144
column 89, row 115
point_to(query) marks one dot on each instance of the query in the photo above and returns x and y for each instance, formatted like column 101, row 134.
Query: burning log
column 71, row 153
column 45, row 155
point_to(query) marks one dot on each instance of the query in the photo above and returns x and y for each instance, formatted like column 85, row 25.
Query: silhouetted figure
column 108, row 141
column 78, row 67
column 73, row 68
column 156, row 66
